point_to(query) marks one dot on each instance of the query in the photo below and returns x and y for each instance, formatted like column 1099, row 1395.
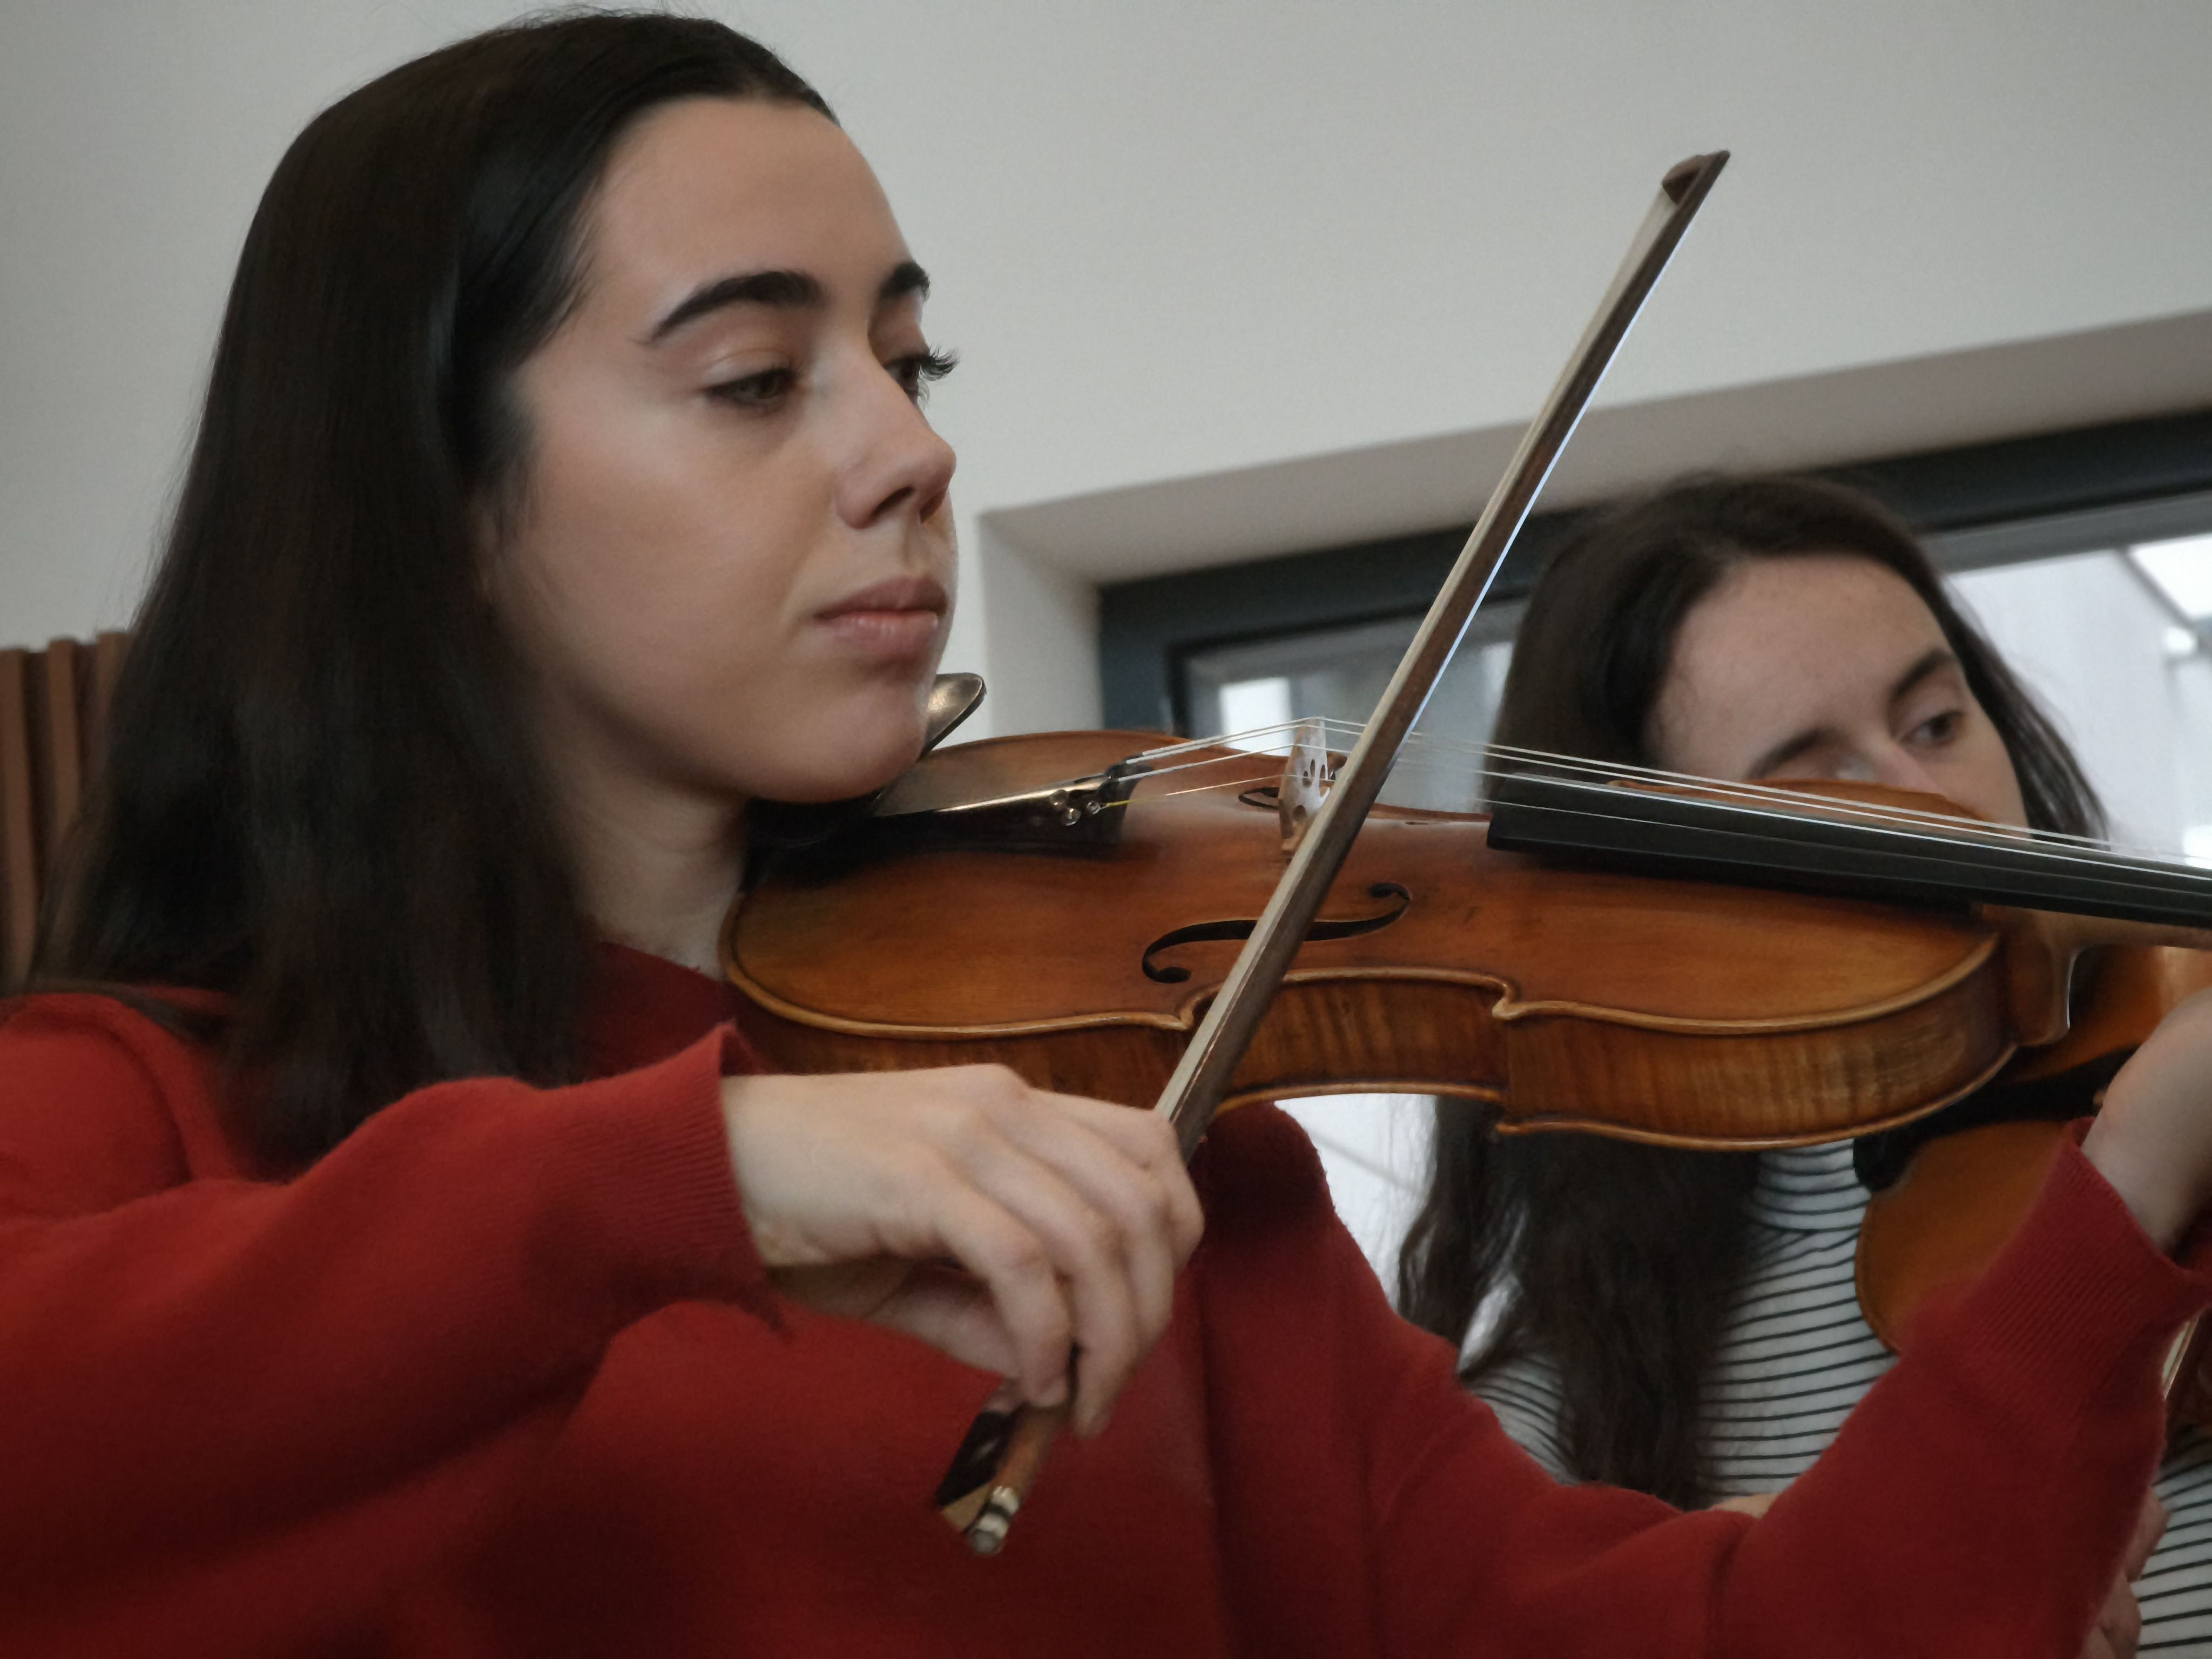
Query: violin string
column 1958, row 852
column 1795, row 800
column 1251, row 744
column 1753, row 801
column 1958, row 842
column 1260, row 740
column 1910, row 824
column 1277, row 738
column 1787, row 803
column 1959, row 855
column 1252, row 782
column 1792, row 802
column 1751, row 791
column 1911, row 828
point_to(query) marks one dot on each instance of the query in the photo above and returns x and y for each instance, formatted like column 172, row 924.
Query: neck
column 660, row 876
column 657, row 863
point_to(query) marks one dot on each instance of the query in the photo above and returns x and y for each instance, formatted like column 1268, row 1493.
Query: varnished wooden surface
column 58, row 736
column 1963, row 1196
column 18, row 819
column 53, row 724
column 1946, row 1218
column 1562, row 996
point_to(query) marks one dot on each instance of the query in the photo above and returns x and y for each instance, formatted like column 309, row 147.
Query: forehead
column 710, row 186
column 1821, row 610
column 1790, row 640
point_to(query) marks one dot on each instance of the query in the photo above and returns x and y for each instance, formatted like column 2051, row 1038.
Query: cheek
column 1985, row 779
column 645, row 522
column 648, row 584
column 633, row 584
column 662, row 601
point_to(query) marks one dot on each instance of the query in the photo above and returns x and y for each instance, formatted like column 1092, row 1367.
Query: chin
column 844, row 759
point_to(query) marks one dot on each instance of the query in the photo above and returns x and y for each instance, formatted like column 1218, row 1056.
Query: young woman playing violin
column 1685, row 1323
column 402, row 1256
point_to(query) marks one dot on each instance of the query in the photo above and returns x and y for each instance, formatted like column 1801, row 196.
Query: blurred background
column 1252, row 300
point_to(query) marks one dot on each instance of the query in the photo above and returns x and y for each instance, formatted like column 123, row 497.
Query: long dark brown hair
column 1618, row 1262
column 320, row 795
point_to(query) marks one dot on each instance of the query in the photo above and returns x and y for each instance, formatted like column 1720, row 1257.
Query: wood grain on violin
column 1671, row 1010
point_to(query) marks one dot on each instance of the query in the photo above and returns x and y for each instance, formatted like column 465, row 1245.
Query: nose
column 1894, row 764
column 894, row 462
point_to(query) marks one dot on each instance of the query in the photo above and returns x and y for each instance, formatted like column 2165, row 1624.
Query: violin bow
column 1005, row 1451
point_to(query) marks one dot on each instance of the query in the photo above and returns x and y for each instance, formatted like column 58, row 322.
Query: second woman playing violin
column 1685, row 1322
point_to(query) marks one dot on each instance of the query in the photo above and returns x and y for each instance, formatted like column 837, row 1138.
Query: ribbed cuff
column 658, row 1175
column 2082, row 1287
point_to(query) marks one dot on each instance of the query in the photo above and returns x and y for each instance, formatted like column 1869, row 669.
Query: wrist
column 740, row 1109
column 2156, row 1195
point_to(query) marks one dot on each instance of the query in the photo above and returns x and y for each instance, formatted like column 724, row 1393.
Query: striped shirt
column 1798, row 1357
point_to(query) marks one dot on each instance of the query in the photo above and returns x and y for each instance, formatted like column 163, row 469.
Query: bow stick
column 1004, row 1451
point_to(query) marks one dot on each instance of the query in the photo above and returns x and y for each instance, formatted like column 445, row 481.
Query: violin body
column 1938, row 1226
column 1682, row 1012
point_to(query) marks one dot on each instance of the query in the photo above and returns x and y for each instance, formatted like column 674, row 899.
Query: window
column 2108, row 641
column 1340, row 674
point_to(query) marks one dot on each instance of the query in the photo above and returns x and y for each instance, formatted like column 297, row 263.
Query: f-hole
column 1208, row 932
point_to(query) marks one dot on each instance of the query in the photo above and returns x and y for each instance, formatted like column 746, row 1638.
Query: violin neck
column 1668, row 833
column 2154, row 967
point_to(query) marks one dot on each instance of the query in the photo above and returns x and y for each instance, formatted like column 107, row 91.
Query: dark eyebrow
column 1785, row 751
column 783, row 290
column 780, row 290
column 1940, row 658
column 907, row 277
column 1903, row 687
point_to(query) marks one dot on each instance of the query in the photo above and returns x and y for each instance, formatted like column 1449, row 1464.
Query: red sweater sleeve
column 1977, row 1502
column 221, row 1391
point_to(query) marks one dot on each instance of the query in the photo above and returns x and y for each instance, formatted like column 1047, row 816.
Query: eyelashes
column 1941, row 728
column 915, row 372
column 765, row 390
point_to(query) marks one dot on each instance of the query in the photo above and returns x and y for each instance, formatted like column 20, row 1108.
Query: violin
column 1566, row 959
column 1561, row 994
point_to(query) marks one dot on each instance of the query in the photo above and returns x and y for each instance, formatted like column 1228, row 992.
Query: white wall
column 1174, row 240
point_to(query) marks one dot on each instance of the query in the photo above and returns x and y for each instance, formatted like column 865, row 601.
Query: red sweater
column 502, row 1374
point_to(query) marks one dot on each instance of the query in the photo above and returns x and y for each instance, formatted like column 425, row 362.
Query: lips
column 899, row 593
column 898, row 618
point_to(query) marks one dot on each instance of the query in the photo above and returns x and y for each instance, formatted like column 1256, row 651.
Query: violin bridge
column 1304, row 782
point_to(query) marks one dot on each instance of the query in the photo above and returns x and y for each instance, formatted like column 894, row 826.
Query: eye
column 1939, row 729
column 761, row 390
column 914, row 371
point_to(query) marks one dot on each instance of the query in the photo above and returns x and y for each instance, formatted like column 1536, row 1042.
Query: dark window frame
column 1148, row 628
